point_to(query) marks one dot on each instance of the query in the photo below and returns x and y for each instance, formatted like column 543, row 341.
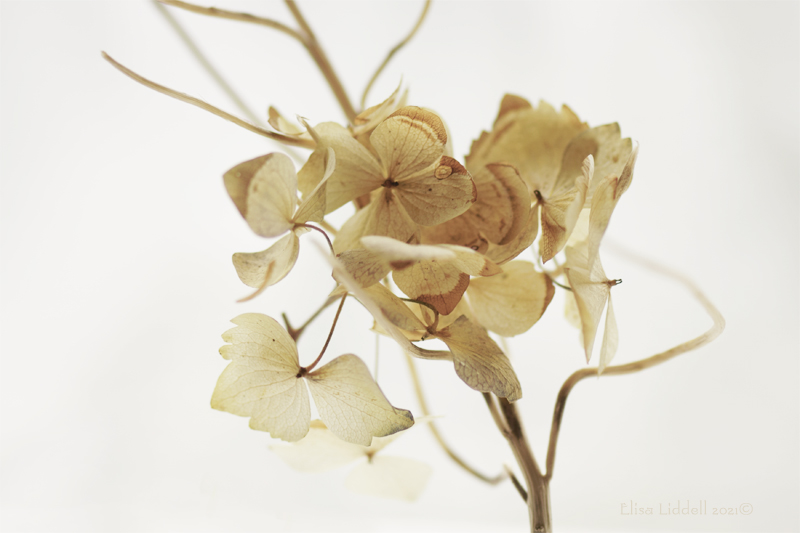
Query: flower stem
column 310, row 367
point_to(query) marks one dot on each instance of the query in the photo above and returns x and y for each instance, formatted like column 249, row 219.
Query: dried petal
column 397, row 478
column 410, row 140
column 560, row 213
column 262, row 269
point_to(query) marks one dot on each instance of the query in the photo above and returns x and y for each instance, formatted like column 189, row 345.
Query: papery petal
column 438, row 284
column 605, row 144
column 610, row 339
column 262, row 269
column 383, row 216
column 502, row 254
column 357, row 171
column 410, row 140
column 444, row 192
column 261, row 380
column 352, row 405
column 531, row 139
column 591, row 290
column 319, row 451
column 281, row 124
column 560, row 213
column 478, row 361
column 510, row 303
column 503, row 203
column 312, row 208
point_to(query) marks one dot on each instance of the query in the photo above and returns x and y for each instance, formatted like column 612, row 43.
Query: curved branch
column 232, row 15
column 208, row 107
column 629, row 368
column 393, row 51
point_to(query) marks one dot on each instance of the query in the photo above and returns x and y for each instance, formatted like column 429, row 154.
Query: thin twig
column 311, row 226
column 208, row 107
column 206, row 64
column 319, row 57
column 629, row 368
column 517, row 484
column 310, row 367
column 295, row 333
column 423, row 405
column 393, row 51
column 232, row 15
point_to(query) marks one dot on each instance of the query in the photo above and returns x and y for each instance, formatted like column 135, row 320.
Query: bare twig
column 618, row 370
column 232, row 15
column 310, row 367
column 393, row 51
column 423, row 405
column 208, row 107
column 319, row 57
column 295, row 333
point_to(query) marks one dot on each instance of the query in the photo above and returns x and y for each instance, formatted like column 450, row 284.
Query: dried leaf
column 352, row 405
column 262, row 269
column 478, row 361
column 511, row 302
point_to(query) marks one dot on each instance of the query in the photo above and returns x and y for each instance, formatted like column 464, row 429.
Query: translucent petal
column 262, row 269
column 397, row 478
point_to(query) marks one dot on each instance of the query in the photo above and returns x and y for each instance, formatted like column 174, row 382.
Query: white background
column 117, row 282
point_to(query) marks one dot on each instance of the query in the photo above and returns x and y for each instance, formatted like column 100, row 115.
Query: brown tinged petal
column 445, row 192
column 410, row 140
column 605, row 144
column 560, row 213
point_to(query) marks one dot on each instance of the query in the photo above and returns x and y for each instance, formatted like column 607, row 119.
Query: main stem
column 537, row 496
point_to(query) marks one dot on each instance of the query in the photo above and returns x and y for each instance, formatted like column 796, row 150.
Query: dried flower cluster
column 432, row 252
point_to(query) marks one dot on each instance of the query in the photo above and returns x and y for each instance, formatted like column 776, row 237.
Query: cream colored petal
column 357, row 171
column 272, row 196
column 396, row 478
column 560, row 213
column 383, row 216
column 503, row 203
column 605, row 144
column 410, row 140
column 395, row 251
column 510, row 303
column 318, row 451
column 281, row 124
column 363, row 296
column 478, row 361
column 471, row 262
column 610, row 338
column 444, row 192
column 394, row 309
column 367, row 120
column 438, row 284
column 366, row 267
column 501, row 254
column 312, row 208
column 262, row 269
column 261, row 380
column 352, row 405
column 591, row 290
column 531, row 139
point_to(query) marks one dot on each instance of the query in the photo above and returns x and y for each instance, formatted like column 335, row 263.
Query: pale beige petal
column 471, row 262
column 262, row 269
column 501, row 254
column 395, row 251
column 363, row 296
column 366, row 267
column 410, row 140
column 372, row 116
column 352, row 405
column 478, row 361
column 318, row 451
column 513, row 301
column 383, row 216
column 396, row 478
column 272, row 196
column 281, row 124
column 442, row 193
column 610, row 338
column 532, row 140
column 357, row 171
column 261, row 380
column 604, row 143
column 394, row 309
column 312, row 208
column 591, row 290
column 560, row 213
column 264, row 191
column 438, row 284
